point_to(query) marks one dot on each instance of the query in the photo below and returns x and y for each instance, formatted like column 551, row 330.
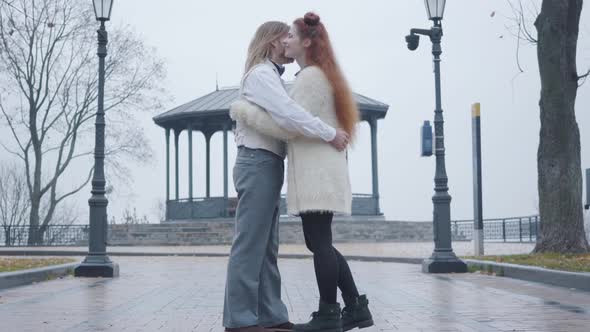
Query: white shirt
column 264, row 87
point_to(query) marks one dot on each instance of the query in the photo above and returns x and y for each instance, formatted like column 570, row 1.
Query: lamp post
column 443, row 259
column 97, row 263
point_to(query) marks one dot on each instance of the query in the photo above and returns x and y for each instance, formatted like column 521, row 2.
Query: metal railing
column 515, row 229
column 518, row 229
column 54, row 235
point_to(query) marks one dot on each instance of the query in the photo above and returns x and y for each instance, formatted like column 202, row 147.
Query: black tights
column 331, row 269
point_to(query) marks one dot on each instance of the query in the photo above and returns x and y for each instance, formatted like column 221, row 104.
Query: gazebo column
column 208, row 162
column 190, row 162
column 373, row 125
column 225, row 165
column 176, row 135
column 167, row 164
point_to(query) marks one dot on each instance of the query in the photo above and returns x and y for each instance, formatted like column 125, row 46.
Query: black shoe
column 285, row 327
column 254, row 328
column 326, row 319
column 357, row 315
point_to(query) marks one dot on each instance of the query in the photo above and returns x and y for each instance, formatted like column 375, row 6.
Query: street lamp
column 443, row 259
column 97, row 263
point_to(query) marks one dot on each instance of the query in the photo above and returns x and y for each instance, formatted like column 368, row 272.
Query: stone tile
column 186, row 294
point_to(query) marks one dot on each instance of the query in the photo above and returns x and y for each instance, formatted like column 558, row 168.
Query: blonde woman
column 318, row 178
column 253, row 286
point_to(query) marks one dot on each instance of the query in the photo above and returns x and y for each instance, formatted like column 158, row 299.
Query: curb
column 84, row 253
column 26, row 277
column 577, row 280
column 405, row 260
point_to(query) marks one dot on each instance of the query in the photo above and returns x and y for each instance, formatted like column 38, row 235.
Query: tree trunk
column 559, row 165
column 7, row 237
column 33, row 238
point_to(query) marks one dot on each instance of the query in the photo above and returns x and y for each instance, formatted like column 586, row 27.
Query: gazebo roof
column 211, row 112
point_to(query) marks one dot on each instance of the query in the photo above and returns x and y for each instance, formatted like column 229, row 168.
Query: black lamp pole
column 443, row 259
column 97, row 263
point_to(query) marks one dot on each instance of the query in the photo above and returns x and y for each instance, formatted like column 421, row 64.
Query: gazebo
column 210, row 114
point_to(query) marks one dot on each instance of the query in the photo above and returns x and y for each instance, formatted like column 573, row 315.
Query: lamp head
column 102, row 9
column 435, row 9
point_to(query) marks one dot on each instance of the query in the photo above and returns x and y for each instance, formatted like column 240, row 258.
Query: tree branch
column 55, row 201
column 583, row 78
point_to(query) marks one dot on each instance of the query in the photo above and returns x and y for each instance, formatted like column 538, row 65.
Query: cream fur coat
column 317, row 174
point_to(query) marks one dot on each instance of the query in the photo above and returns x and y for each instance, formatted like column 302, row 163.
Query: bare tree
column 60, row 232
column 48, row 86
column 558, row 157
column 14, row 202
column 521, row 26
column 559, row 164
column 159, row 209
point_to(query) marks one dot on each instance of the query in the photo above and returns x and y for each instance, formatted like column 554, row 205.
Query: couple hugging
column 312, row 125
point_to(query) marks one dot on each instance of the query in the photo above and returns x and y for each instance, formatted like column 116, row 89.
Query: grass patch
column 554, row 261
column 16, row 264
column 472, row 268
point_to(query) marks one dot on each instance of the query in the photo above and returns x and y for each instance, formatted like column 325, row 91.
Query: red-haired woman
column 318, row 178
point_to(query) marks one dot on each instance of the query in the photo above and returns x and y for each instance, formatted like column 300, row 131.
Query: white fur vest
column 317, row 174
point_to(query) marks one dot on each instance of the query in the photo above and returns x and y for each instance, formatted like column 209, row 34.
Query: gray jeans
column 253, row 285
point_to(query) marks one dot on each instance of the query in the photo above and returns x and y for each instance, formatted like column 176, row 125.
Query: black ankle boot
column 326, row 319
column 357, row 314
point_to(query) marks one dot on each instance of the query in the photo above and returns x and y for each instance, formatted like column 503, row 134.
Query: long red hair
column 321, row 54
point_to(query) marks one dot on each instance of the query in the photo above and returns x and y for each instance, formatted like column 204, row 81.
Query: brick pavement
column 186, row 294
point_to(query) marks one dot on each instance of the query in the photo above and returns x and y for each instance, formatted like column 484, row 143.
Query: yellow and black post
column 478, row 232
column 587, row 206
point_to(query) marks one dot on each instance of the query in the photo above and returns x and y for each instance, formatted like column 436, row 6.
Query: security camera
column 413, row 41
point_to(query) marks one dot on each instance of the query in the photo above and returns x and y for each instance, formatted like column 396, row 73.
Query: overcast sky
column 200, row 40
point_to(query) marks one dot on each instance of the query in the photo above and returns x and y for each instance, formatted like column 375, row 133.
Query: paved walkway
column 186, row 294
column 387, row 249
